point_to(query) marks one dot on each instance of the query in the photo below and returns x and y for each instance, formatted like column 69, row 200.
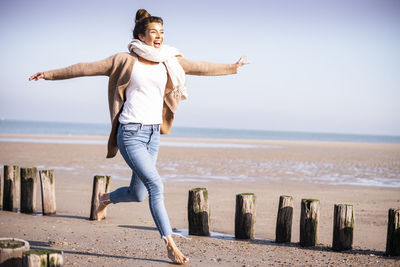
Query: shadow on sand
column 321, row 248
column 71, row 217
column 113, row 256
column 138, row 227
column 40, row 245
column 259, row 241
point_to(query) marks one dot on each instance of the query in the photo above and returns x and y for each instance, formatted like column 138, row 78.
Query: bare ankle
column 171, row 247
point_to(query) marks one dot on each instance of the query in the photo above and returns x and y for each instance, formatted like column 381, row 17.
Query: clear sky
column 316, row 66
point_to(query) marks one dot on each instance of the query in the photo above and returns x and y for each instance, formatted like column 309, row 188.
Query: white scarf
column 167, row 55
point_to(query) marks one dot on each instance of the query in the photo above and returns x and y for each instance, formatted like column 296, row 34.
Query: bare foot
column 104, row 200
column 174, row 254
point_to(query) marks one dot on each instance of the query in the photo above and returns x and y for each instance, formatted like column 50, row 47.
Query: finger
column 242, row 61
column 37, row 76
column 242, row 58
column 33, row 77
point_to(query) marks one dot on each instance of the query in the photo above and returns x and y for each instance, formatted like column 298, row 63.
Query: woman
column 145, row 87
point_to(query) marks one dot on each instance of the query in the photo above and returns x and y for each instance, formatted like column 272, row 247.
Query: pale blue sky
column 317, row 66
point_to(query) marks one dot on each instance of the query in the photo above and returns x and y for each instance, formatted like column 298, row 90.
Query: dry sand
column 128, row 236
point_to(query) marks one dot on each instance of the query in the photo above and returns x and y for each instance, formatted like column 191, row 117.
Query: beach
column 366, row 175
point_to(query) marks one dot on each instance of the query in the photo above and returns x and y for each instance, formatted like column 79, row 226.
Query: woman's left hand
column 37, row 76
column 241, row 62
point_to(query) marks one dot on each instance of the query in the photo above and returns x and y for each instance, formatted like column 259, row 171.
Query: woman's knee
column 137, row 195
column 141, row 196
column 156, row 187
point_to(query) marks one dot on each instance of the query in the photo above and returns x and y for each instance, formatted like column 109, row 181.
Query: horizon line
column 222, row 128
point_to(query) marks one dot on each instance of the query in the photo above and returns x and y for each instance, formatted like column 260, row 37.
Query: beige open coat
column 119, row 69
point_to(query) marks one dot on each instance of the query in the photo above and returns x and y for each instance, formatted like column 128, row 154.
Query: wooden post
column 42, row 257
column 56, row 258
column 12, row 188
column 48, row 192
column 1, row 192
column 283, row 232
column 28, row 189
column 245, row 216
column 198, row 212
column 309, row 222
column 100, row 184
column 34, row 258
column 393, row 233
column 11, row 250
column 343, row 226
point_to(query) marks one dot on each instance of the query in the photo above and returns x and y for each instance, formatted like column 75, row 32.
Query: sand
column 328, row 171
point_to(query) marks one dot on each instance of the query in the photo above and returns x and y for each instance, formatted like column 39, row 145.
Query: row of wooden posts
column 198, row 211
column 19, row 192
column 245, row 213
column 24, row 182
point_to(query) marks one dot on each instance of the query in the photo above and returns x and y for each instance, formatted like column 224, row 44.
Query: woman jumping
column 144, row 90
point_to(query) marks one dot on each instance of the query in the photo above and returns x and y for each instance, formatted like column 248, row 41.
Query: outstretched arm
column 102, row 67
column 209, row 68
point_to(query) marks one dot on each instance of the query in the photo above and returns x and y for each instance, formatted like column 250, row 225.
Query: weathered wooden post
column 12, row 188
column 55, row 258
column 245, row 216
column 28, row 190
column 1, row 192
column 283, row 232
column 343, row 226
column 11, row 250
column 48, row 192
column 393, row 233
column 100, row 184
column 198, row 212
column 42, row 257
column 309, row 218
column 34, row 258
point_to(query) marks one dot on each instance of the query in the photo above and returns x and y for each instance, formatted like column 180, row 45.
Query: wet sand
column 128, row 237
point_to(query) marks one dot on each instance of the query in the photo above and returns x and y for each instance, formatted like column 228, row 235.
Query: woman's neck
column 147, row 62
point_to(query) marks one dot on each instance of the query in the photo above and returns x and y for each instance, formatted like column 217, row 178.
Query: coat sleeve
column 97, row 68
column 206, row 68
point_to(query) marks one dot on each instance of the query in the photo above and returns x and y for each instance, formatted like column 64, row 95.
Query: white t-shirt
column 145, row 94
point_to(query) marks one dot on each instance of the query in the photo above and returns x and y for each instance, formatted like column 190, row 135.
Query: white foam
column 375, row 182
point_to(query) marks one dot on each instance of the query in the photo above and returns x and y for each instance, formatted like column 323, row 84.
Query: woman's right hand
column 37, row 76
column 241, row 62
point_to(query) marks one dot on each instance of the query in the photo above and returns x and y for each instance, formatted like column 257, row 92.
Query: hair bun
column 141, row 14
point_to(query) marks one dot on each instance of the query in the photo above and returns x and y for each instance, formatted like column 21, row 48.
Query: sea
column 103, row 129
column 386, row 175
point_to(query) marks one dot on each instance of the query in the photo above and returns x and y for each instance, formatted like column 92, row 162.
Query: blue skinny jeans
column 138, row 145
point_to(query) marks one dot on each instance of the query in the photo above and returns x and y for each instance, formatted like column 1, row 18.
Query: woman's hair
column 142, row 21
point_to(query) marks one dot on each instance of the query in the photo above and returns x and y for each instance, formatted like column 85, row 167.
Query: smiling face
column 154, row 35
